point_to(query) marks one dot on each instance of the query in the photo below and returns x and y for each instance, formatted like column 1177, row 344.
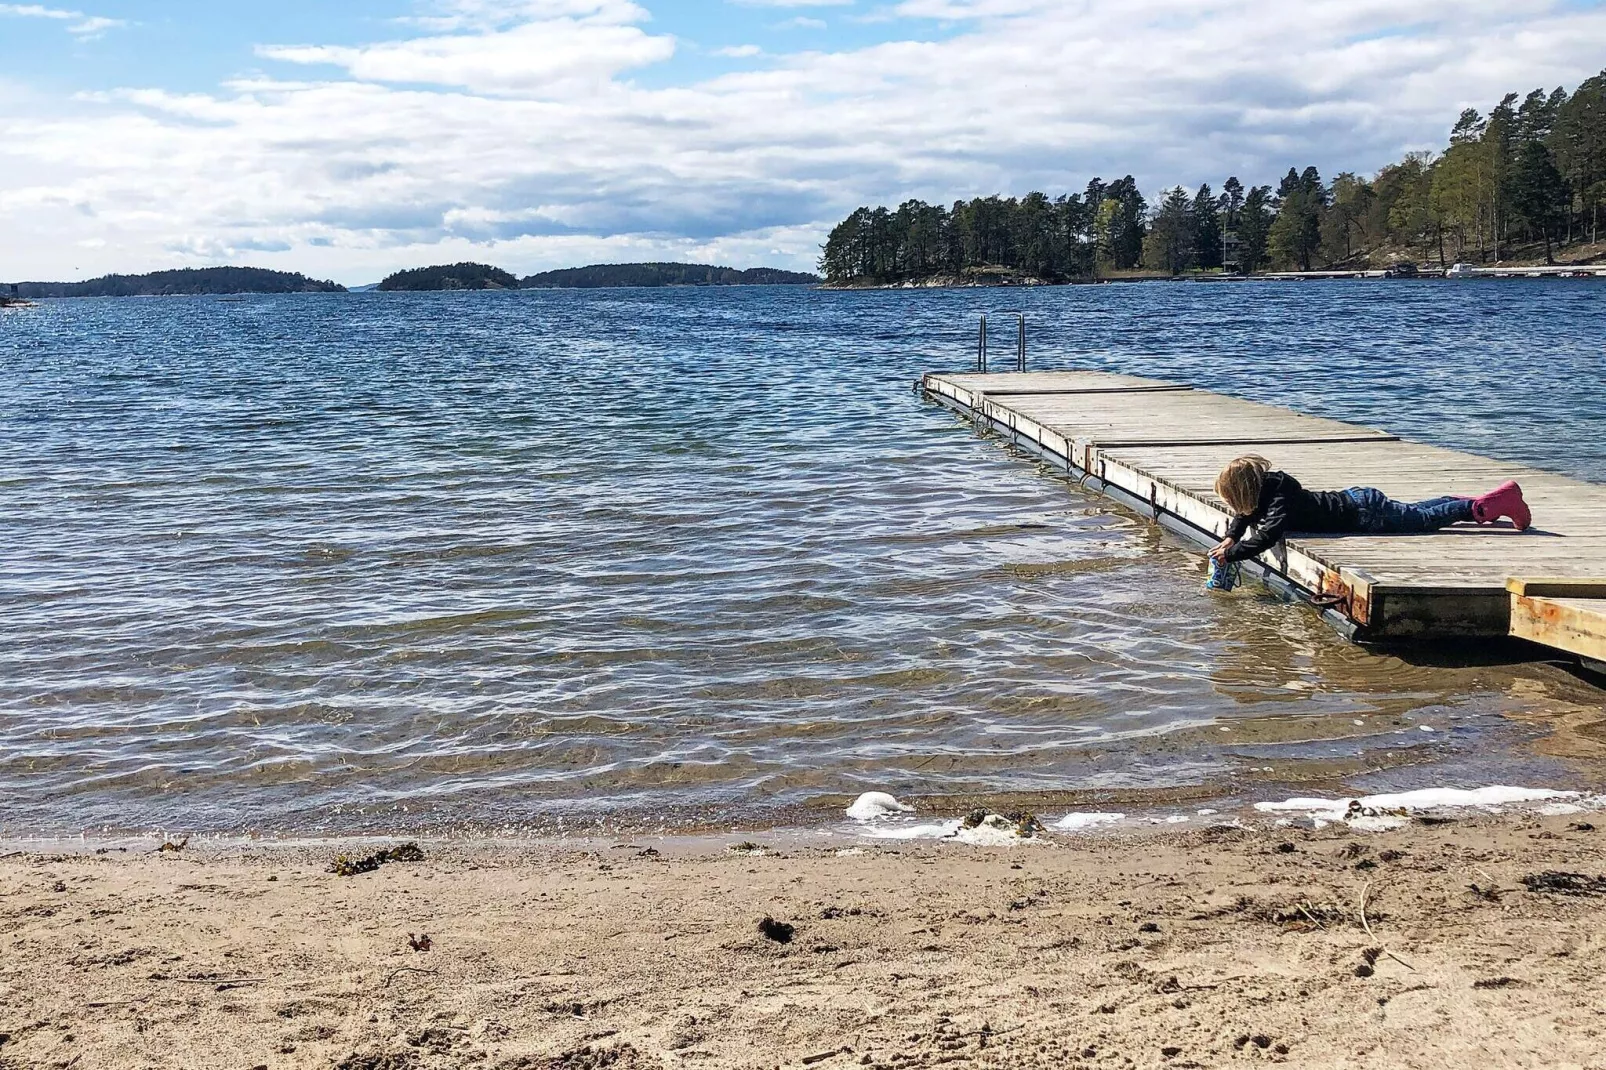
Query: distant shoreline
column 27, row 294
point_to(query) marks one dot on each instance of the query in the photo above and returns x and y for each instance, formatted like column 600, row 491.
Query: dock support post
column 1020, row 344
column 981, row 345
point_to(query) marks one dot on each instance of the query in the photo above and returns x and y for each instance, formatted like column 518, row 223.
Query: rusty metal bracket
column 1154, row 499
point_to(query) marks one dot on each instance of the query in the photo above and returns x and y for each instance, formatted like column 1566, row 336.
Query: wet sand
column 1209, row 948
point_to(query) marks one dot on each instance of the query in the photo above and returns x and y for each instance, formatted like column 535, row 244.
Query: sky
column 350, row 139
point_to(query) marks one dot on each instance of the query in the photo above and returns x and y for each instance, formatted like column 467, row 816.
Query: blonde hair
column 1239, row 483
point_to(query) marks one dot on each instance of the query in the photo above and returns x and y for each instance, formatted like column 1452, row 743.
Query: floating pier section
column 1157, row 446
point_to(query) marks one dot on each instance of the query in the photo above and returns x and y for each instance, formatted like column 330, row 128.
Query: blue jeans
column 1382, row 515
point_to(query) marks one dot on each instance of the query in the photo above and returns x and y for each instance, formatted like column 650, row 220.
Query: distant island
column 603, row 275
column 464, row 276
column 218, row 280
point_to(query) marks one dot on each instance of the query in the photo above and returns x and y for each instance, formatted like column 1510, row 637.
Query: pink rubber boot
column 1505, row 501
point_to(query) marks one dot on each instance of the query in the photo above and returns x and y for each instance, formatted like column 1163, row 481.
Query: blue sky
column 349, row 139
column 193, row 46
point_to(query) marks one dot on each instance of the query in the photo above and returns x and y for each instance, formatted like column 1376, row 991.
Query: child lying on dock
column 1272, row 502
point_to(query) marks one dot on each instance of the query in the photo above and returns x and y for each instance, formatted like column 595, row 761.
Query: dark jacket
column 1287, row 506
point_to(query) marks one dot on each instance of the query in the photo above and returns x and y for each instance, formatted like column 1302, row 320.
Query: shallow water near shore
column 329, row 564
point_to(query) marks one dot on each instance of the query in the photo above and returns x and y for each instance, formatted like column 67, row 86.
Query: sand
column 1201, row 949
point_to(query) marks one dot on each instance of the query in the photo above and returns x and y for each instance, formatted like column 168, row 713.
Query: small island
column 596, row 276
column 465, row 276
column 183, row 281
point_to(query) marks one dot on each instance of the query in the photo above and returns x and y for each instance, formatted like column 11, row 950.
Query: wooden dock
column 1157, row 447
column 1568, row 615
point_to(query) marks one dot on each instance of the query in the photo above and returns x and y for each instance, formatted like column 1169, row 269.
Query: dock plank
column 1576, row 625
column 1163, row 448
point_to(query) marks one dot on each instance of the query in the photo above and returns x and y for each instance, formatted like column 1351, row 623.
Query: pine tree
column 1206, row 212
column 1170, row 243
column 1296, row 234
column 1538, row 194
column 1254, row 227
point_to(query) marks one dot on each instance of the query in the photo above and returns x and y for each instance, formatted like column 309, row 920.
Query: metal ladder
column 1020, row 341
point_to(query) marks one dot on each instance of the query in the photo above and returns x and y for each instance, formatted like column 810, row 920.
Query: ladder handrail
column 1020, row 341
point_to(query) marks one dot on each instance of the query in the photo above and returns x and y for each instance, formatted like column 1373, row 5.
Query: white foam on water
column 1077, row 822
column 994, row 831
column 931, row 831
column 874, row 804
column 1381, row 812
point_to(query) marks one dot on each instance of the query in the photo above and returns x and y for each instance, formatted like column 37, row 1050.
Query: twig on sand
column 1366, row 891
column 1314, row 920
column 407, row 969
column 1397, row 958
column 218, row 980
column 97, row 1005
column 1212, row 985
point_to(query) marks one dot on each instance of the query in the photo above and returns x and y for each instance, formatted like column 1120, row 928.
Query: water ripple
column 338, row 562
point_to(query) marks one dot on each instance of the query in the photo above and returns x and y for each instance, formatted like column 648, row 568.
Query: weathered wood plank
column 1557, row 588
column 1576, row 625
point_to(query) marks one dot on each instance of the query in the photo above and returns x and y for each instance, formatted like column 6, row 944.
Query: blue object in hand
column 1224, row 575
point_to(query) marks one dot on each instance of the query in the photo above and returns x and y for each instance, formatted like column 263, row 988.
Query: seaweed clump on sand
column 1022, row 823
column 1558, row 883
column 346, row 866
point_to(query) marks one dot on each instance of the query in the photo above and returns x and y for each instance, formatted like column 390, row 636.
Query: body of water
column 330, row 563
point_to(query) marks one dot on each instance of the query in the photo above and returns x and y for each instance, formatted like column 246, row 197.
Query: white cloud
column 739, row 51
column 557, row 43
column 517, row 132
column 79, row 24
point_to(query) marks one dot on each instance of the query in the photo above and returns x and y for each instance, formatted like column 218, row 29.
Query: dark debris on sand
column 1557, row 882
column 346, row 866
column 779, row 931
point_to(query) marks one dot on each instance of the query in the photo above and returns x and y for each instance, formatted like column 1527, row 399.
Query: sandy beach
column 1419, row 947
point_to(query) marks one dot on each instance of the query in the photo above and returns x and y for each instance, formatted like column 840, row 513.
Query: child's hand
column 1219, row 551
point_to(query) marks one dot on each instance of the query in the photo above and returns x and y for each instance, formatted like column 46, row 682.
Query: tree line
column 470, row 276
column 606, row 275
column 192, row 281
column 1529, row 174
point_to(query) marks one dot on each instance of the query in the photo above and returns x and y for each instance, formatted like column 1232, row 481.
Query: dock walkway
column 1157, row 446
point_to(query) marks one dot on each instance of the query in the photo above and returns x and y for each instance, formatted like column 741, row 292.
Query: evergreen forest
column 1525, row 180
column 604, row 275
column 465, row 276
column 215, row 280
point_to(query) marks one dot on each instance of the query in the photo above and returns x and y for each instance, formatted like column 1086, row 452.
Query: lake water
column 503, row 561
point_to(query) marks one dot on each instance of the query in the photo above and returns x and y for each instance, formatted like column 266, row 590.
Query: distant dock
column 1457, row 271
column 1157, row 446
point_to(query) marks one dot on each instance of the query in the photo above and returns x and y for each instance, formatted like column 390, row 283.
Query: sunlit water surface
column 334, row 563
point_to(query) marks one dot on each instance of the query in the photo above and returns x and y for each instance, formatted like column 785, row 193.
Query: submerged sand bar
column 1157, row 446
